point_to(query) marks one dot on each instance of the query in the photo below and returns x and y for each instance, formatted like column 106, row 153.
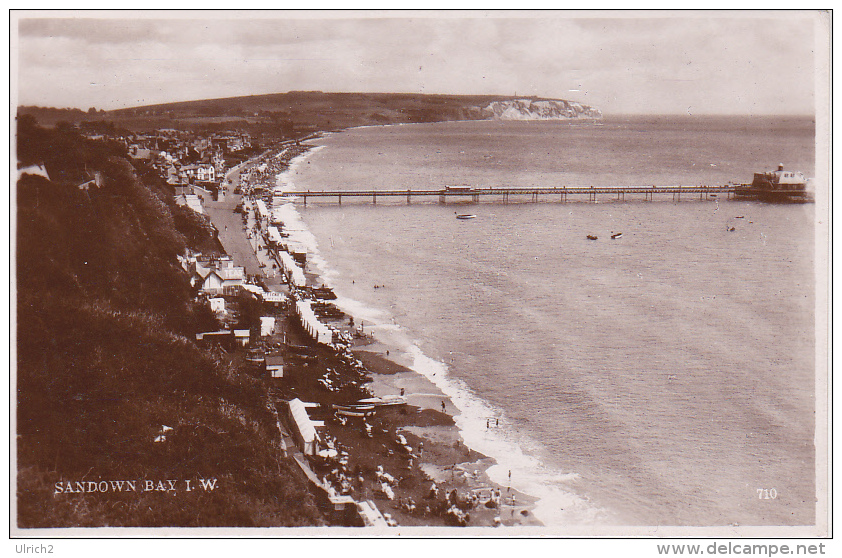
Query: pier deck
column 533, row 194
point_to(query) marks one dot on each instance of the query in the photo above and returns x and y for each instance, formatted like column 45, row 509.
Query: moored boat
column 465, row 216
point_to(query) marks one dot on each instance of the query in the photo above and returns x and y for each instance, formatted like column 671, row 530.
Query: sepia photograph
column 435, row 274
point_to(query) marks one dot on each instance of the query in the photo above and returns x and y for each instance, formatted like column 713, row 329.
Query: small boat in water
column 592, row 237
column 465, row 216
column 616, row 235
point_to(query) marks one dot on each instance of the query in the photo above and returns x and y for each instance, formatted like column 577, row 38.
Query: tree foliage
column 106, row 357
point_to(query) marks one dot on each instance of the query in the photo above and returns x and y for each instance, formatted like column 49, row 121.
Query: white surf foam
column 557, row 504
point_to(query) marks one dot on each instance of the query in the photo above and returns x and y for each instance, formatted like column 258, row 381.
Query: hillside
column 106, row 359
column 302, row 112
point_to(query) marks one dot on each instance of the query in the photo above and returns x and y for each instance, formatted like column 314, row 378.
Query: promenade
column 232, row 235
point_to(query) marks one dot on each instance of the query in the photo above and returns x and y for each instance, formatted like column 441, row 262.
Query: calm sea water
column 661, row 378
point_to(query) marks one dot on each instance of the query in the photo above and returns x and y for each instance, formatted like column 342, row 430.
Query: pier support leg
column 407, row 198
column 340, row 199
column 374, row 199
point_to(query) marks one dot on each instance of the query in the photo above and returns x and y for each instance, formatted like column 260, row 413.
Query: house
column 205, row 173
column 275, row 366
column 242, row 337
column 188, row 172
column 221, row 277
column 138, row 152
column 274, row 299
column 208, row 279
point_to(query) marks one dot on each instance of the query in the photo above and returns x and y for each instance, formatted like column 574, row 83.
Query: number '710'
column 767, row 493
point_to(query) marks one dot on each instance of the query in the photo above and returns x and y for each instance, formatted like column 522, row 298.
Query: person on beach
column 443, row 407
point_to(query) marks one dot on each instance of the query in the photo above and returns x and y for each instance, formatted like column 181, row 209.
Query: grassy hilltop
column 106, row 357
column 287, row 114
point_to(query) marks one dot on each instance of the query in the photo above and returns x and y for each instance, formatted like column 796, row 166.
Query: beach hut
column 304, row 430
column 267, row 325
column 275, row 238
column 217, row 305
column 318, row 331
column 294, row 274
column 275, row 366
column 242, row 337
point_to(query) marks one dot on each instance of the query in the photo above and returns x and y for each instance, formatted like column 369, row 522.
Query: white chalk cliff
column 530, row 109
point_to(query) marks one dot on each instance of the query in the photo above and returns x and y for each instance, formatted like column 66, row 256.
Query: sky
column 622, row 63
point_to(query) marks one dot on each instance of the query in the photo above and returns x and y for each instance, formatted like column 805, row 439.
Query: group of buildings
column 187, row 160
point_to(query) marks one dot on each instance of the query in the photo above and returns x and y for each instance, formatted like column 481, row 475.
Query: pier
column 507, row 195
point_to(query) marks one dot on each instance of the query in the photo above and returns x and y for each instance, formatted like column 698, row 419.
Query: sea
column 662, row 378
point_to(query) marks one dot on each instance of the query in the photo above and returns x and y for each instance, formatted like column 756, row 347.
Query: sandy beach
column 409, row 460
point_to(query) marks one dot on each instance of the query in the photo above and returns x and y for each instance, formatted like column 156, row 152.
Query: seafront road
column 231, row 234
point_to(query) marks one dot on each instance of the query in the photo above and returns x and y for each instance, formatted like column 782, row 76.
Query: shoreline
column 420, row 375
column 427, row 382
column 440, row 457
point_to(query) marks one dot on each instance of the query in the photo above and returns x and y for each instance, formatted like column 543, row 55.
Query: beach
column 409, row 460
column 619, row 370
column 610, row 377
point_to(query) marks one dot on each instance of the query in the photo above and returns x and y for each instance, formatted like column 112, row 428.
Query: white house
column 205, row 173
column 211, row 282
